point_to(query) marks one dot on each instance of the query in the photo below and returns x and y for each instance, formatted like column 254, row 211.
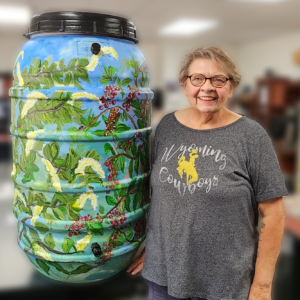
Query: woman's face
column 208, row 68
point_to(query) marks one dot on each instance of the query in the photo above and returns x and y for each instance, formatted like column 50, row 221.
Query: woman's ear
column 230, row 91
column 184, row 87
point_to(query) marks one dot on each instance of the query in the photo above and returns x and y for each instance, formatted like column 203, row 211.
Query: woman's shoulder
column 253, row 129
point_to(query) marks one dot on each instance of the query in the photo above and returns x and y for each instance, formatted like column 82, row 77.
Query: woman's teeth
column 206, row 98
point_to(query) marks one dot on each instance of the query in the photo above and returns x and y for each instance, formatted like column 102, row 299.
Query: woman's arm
column 270, row 237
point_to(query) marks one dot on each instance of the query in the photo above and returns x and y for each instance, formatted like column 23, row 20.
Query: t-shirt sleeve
column 265, row 173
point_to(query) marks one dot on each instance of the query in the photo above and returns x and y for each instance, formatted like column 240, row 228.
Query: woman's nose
column 207, row 86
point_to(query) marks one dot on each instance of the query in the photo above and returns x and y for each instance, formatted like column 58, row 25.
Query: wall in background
column 164, row 56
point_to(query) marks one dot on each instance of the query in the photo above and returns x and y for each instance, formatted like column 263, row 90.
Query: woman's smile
column 206, row 99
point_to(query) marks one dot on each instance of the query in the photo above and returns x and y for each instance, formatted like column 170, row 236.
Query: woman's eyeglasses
column 217, row 80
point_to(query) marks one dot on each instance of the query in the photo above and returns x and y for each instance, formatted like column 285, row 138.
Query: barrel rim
column 87, row 23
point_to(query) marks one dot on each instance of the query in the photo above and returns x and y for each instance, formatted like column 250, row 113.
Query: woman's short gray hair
column 218, row 56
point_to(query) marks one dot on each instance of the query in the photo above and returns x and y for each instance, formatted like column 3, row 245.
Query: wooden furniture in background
column 276, row 108
column 6, row 81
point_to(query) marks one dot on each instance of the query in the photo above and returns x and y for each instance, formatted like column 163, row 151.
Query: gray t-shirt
column 202, row 233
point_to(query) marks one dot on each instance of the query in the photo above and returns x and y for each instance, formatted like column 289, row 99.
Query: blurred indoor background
column 262, row 37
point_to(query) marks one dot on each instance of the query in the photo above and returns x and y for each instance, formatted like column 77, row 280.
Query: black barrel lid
column 82, row 23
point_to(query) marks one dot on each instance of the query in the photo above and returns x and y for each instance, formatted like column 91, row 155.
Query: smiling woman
column 211, row 169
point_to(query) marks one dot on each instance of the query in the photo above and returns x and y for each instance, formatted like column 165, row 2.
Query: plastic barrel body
column 80, row 131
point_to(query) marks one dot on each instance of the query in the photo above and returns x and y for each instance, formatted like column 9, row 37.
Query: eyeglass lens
column 217, row 81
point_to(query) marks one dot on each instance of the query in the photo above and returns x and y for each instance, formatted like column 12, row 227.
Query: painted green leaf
column 104, row 118
column 42, row 228
column 82, row 74
column 127, row 203
column 104, row 79
column 58, row 77
column 110, row 71
column 122, row 128
column 137, row 163
column 83, row 61
column 49, row 240
column 133, row 148
column 101, row 209
column 40, row 199
column 140, row 183
column 108, row 148
column 31, row 158
column 125, row 115
column 76, row 83
column 72, row 62
column 24, row 209
column 68, row 161
column 58, row 267
column 137, row 112
column 64, row 175
column 49, row 218
column 47, row 151
column 131, row 185
column 124, row 65
column 137, row 198
column 130, row 168
column 72, row 214
column 67, row 245
column 98, row 132
column 121, row 161
column 92, row 178
column 121, row 240
column 68, row 78
column 140, row 123
column 38, row 145
column 33, row 233
column 116, row 164
column 119, row 83
column 95, row 227
column 135, row 104
column 58, row 214
column 129, row 235
column 30, row 197
column 58, row 198
column 110, row 200
column 81, row 269
column 126, row 81
column 62, row 64
column 92, row 154
column 59, row 162
column 27, row 237
column 143, row 160
column 43, row 265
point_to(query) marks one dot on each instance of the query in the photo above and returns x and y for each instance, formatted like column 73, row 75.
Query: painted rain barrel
column 81, row 125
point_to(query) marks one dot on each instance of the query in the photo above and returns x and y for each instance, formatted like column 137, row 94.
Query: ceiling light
column 14, row 14
column 187, row 27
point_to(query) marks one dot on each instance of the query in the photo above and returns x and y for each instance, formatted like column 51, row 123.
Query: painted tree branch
column 46, row 110
column 55, row 261
column 130, row 241
column 50, row 73
column 53, row 250
column 124, row 154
